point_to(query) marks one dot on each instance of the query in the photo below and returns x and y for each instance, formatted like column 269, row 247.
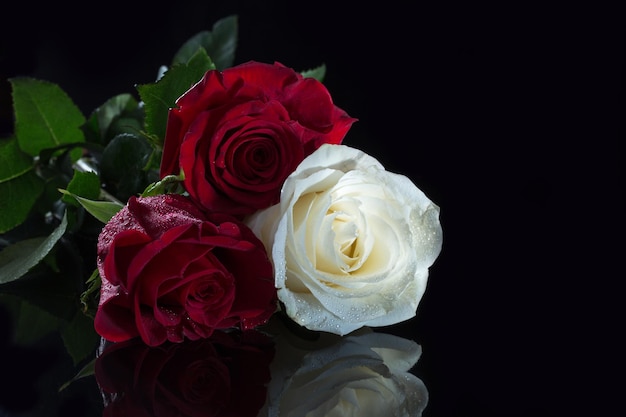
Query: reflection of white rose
column 358, row 375
column 351, row 242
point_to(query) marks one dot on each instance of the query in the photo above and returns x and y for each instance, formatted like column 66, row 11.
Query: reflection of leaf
column 18, row 258
column 79, row 337
column 53, row 292
column 86, row 370
column 45, row 117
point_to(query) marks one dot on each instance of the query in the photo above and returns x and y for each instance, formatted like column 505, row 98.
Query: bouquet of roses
column 219, row 197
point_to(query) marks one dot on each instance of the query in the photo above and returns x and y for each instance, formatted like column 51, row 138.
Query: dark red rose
column 237, row 134
column 169, row 271
column 225, row 375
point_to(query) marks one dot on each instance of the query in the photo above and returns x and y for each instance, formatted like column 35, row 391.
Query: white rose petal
column 351, row 242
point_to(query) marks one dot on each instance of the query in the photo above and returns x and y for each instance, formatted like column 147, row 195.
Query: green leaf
column 18, row 198
column 84, row 184
column 90, row 297
column 45, row 117
column 18, row 258
column 124, row 165
column 171, row 184
column 222, row 50
column 220, row 44
column 79, row 337
column 119, row 114
column 20, row 186
column 160, row 96
column 13, row 161
column 101, row 210
column 318, row 73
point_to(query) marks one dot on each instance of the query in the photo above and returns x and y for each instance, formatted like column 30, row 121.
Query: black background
column 509, row 117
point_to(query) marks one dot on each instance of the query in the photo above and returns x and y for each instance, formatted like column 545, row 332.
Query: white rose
column 351, row 243
column 361, row 375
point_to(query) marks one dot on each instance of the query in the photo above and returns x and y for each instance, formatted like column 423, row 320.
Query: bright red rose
column 237, row 134
column 169, row 271
column 225, row 375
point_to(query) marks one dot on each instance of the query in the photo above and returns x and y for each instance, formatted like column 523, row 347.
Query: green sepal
column 90, row 297
column 170, row 184
column 318, row 73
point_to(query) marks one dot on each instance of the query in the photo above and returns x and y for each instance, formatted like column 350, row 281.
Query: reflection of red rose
column 225, row 375
column 237, row 134
column 169, row 272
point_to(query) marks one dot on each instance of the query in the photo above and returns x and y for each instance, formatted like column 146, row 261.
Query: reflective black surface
column 510, row 117
column 279, row 369
column 257, row 373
